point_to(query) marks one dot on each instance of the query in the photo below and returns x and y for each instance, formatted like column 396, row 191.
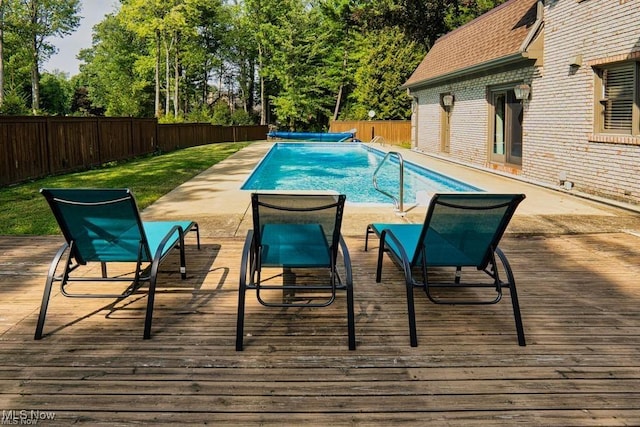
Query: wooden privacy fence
column 392, row 131
column 35, row 147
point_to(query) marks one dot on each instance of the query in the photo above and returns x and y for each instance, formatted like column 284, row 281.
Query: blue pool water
column 346, row 168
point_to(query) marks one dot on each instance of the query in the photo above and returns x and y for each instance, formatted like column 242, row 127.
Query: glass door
column 506, row 127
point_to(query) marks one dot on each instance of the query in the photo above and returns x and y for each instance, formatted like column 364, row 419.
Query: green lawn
column 25, row 211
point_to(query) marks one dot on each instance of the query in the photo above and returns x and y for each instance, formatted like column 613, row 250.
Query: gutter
column 464, row 72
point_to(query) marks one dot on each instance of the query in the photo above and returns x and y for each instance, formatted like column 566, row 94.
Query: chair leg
column 351, row 323
column 411, row 312
column 155, row 266
column 366, row 237
column 240, row 320
column 380, row 259
column 248, row 259
column 47, row 288
column 514, row 297
column 350, row 300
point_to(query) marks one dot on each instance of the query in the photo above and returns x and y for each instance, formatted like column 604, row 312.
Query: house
column 545, row 91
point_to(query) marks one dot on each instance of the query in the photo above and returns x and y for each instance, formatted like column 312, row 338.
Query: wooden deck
column 580, row 299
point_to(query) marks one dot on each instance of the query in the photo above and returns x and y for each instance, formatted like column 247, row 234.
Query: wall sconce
column 522, row 91
column 447, row 100
column 576, row 61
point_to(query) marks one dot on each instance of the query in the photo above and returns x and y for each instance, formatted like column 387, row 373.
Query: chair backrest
column 321, row 208
column 463, row 229
column 103, row 224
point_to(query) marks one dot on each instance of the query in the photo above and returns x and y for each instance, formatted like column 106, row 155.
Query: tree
column 462, row 11
column 36, row 22
column 385, row 60
column 117, row 70
column 266, row 21
column 2, row 24
column 56, row 92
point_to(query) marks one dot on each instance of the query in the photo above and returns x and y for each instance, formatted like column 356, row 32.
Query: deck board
column 579, row 298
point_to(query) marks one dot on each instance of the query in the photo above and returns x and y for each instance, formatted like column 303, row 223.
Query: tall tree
column 38, row 21
column 2, row 24
column 118, row 71
column 267, row 22
column 385, row 60
column 146, row 19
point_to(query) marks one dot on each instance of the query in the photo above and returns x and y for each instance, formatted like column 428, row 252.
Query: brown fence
column 34, row 147
column 392, row 131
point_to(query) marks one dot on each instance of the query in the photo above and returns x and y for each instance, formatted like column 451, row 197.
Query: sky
column 91, row 12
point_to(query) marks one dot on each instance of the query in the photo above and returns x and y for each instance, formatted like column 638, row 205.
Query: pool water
column 347, row 168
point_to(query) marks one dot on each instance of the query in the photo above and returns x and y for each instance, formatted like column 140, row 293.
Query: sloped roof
column 497, row 34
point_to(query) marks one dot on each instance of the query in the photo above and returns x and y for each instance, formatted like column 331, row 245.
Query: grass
column 25, row 212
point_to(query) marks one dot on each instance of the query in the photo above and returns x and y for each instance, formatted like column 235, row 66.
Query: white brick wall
column 558, row 120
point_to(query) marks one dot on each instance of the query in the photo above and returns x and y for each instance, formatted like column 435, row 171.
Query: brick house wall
column 558, row 124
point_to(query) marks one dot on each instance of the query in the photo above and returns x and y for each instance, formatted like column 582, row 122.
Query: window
column 617, row 109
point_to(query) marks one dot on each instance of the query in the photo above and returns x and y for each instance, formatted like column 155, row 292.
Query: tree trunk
column 176, row 84
column 167, row 77
column 157, row 75
column 35, row 72
column 263, row 100
column 336, row 111
column 2, row 4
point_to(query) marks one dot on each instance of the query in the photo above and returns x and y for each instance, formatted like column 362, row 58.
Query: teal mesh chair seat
column 104, row 226
column 296, row 231
column 459, row 230
column 294, row 246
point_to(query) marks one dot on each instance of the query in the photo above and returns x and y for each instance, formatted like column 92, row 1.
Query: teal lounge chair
column 104, row 225
column 295, row 231
column 459, row 230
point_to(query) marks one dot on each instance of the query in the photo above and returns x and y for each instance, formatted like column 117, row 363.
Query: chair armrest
column 347, row 261
column 248, row 244
column 402, row 256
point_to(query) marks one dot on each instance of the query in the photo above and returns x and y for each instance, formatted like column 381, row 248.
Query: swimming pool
column 346, row 168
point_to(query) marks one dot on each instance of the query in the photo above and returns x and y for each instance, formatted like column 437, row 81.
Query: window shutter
column 618, row 98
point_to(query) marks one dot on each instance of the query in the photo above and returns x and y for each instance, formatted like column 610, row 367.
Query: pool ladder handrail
column 398, row 202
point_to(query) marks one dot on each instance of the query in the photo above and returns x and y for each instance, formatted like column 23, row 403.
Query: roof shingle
column 496, row 34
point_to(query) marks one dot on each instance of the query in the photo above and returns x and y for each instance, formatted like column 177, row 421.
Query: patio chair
column 294, row 231
column 104, row 225
column 459, row 230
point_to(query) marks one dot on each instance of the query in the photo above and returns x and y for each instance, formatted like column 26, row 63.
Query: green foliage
column 385, row 61
column 25, row 210
column 15, row 103
column 34, row 23
column 299, row 61
column 221, row 113
column 464, row 11
column 56, row 92
column 116, row 74
column 242, row 118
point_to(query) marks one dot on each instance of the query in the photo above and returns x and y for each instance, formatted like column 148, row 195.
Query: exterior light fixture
column 522, row 91
column 371, row 114
column 447, row 100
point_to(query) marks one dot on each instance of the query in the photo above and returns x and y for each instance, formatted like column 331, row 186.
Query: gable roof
column 500, row 35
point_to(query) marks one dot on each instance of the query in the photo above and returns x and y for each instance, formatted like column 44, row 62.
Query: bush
column 15, row 103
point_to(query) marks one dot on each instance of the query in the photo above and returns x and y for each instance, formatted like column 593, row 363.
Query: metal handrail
column 398, row 202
